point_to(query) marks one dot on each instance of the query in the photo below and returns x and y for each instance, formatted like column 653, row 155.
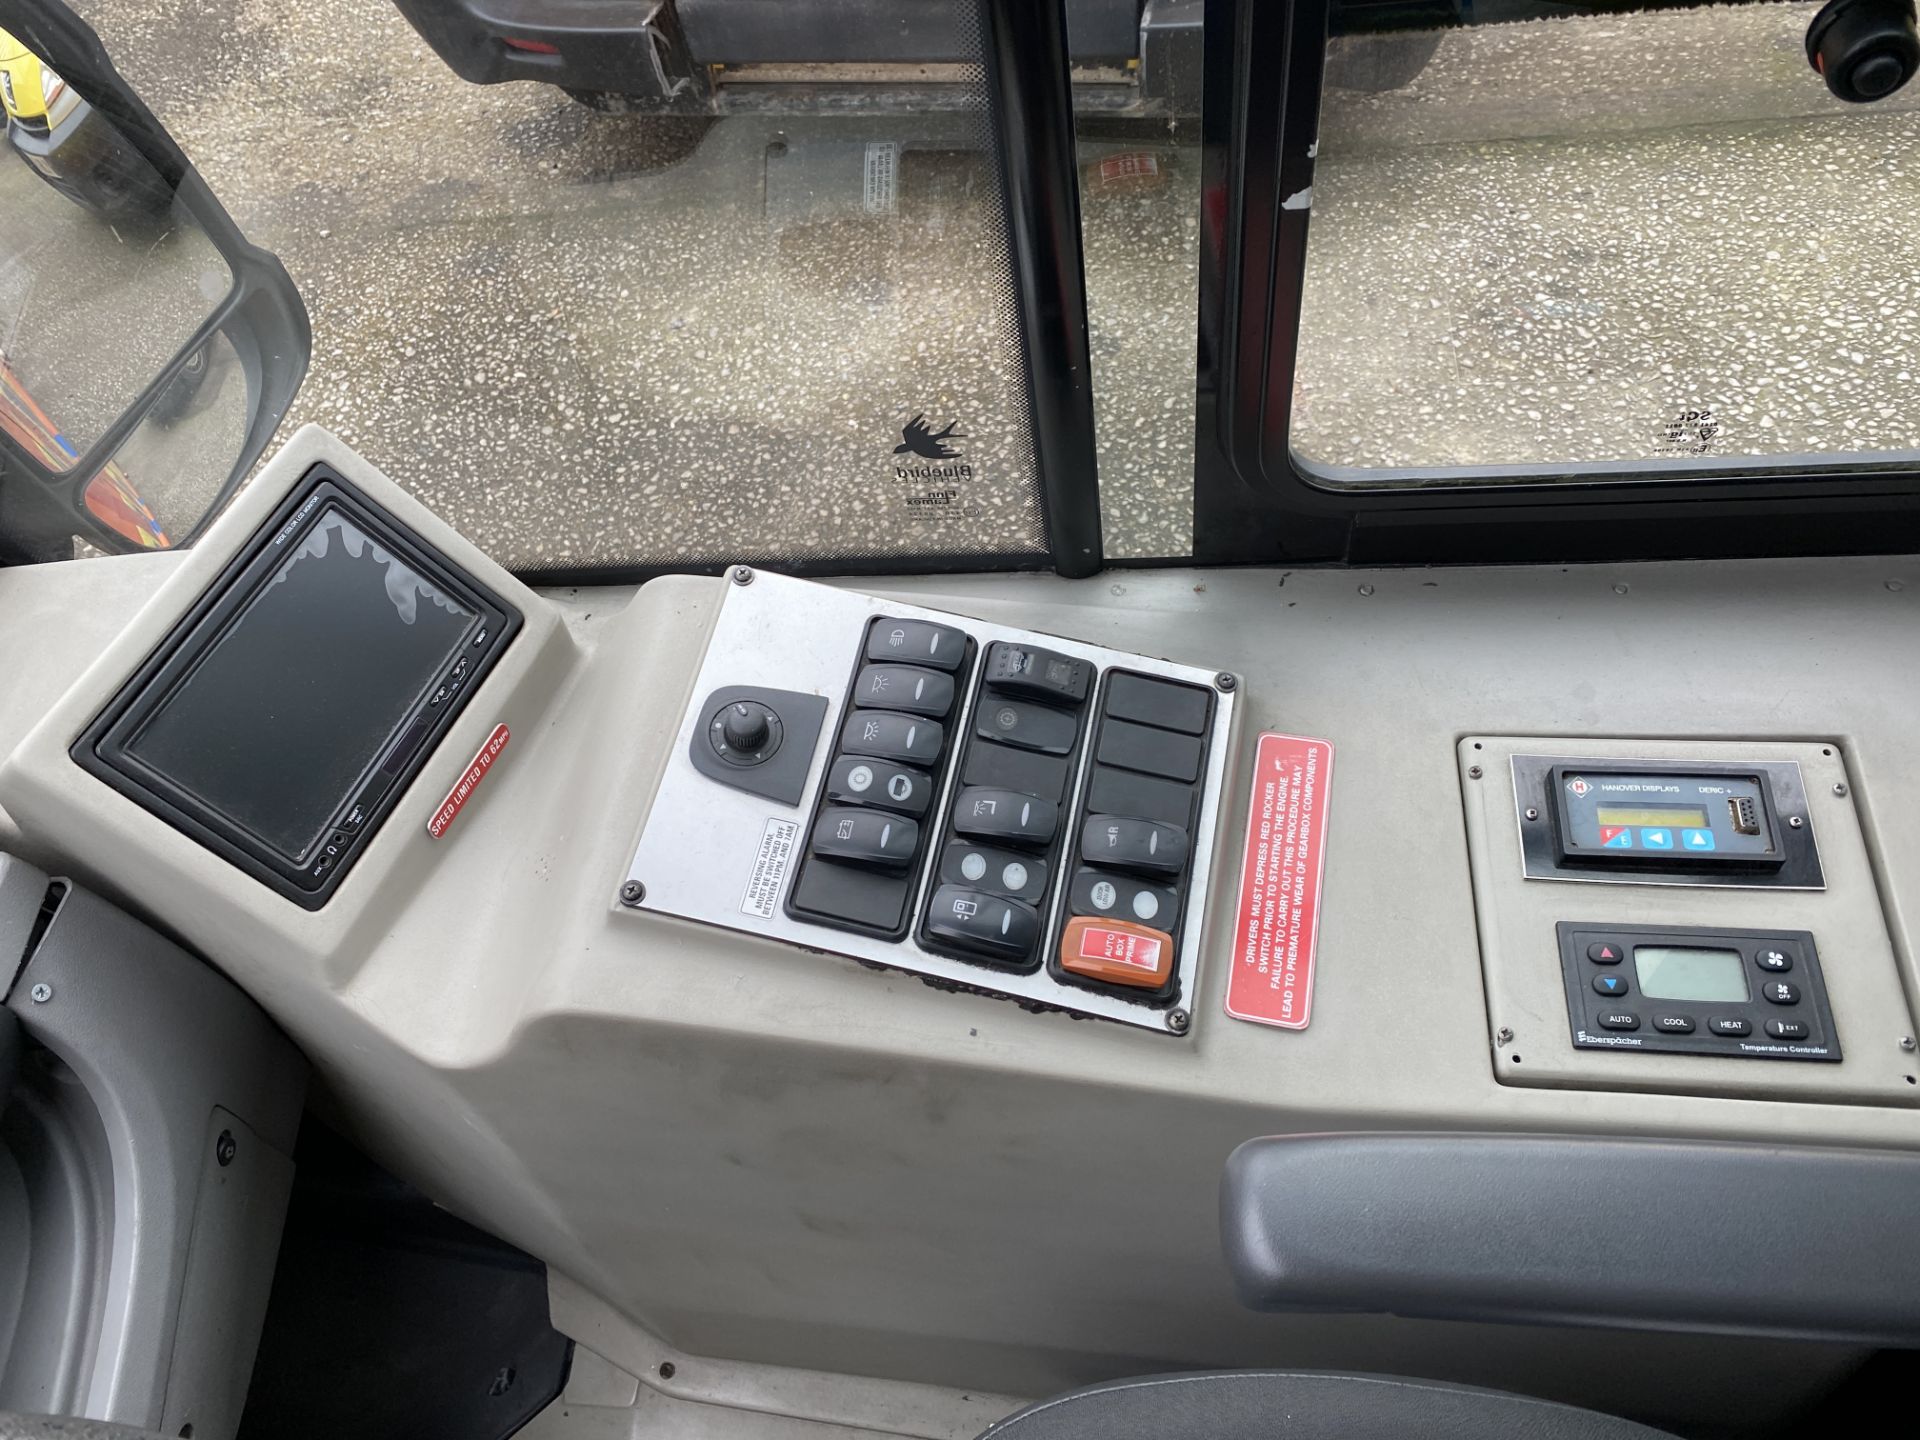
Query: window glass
column 1137, row 131
column 1586, row 239
column 724, row 282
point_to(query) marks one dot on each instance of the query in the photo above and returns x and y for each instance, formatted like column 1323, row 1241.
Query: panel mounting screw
column 632, row 893
column 1532, row 814
column 742, row 575
column 224, row 1148
column 1906, row 1042
column 1226, row 682
column 1839, row 787
column 1366, row 589
column 1794, row 822
column 1503, row 1035
column 41, row 994
column 1474, row 772
column 1178, row 1020
column 1620, row 589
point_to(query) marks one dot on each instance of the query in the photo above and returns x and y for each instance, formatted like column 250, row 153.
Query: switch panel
column 946, row 775
column 1028, row 719
column 1134, row 837
column 864, row 846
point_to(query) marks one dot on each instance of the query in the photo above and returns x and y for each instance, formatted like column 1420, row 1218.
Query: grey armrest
column 1655, row 1234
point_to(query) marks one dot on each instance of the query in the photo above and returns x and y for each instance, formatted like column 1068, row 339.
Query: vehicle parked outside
column 68, row 144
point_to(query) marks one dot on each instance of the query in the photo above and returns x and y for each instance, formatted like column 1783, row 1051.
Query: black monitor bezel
column 102, row 751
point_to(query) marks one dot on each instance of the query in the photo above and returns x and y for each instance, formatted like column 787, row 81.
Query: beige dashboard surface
column 774, row 1154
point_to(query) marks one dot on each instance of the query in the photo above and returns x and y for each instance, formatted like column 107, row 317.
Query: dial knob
column 744, row 727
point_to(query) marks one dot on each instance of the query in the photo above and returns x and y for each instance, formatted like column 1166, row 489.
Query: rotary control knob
column 745, row 732
column 745, row 726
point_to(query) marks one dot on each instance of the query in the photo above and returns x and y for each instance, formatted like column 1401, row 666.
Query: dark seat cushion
column 1305, row 1405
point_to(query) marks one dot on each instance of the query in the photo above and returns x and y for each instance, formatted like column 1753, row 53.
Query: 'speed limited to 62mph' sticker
column 1279, row 915
column 770, row 867
column 464, row 787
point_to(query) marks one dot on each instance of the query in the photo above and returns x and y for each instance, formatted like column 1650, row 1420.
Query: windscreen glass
column 1598, row 241
column 279, row 720
column 611, row 286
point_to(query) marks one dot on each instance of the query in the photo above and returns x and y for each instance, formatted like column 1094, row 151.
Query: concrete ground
column 588, row 338
column 1646, row 238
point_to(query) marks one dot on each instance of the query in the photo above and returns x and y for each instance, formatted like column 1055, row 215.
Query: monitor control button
column 1774, row 960
column 1781, row 992
column 1605, row 952
column 1611, row 985
column 1729, row 1025
column 1787, row 1029
column 1618, row 1020
column 1673, row 1024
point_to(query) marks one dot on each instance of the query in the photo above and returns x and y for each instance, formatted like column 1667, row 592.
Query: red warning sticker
column 1279, row 915
column 438, row 822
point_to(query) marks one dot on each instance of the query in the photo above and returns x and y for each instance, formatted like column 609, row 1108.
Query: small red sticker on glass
column 1279, row 915
column 464, row 788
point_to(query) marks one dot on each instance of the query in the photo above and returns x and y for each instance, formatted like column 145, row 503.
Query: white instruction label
column 770, row 867
column 883, row 176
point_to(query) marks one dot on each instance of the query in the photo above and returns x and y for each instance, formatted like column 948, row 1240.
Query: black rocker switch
column 904, row 687
column 866, row 837
column 916, row 642
column 1005, row 815
column 986, row 925
column 1037, row 674
column 1129, row 844
column 907, row 739
column 1026, row 725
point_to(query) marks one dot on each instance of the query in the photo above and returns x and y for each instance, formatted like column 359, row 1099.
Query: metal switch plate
column 723, row 857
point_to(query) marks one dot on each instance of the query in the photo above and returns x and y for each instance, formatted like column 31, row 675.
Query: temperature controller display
column 1641, row 819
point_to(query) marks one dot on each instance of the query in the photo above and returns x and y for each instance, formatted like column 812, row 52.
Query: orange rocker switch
column 1117, row 952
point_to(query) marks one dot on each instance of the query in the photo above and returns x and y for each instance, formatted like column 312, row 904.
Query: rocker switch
column 1005, row 815
column 865, row 837
column 1129, row 844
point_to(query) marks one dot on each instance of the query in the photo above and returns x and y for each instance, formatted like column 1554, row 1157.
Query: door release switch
column 1128, row 844
column 866, row 837
column 1005, row 815
column 990, row 926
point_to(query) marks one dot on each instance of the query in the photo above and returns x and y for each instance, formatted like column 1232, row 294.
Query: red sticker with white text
column 1279, row 915
column 463, row 788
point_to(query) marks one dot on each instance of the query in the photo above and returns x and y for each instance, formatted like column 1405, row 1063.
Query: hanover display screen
column 282, row 715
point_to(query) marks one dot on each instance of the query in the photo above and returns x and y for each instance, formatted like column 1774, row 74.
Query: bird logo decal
column 920, row 439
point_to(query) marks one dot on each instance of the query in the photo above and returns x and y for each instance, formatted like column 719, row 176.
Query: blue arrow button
column 1656, row 839
column 1696, row 840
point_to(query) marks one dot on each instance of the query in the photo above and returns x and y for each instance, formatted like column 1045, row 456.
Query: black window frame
column 1255, row 503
